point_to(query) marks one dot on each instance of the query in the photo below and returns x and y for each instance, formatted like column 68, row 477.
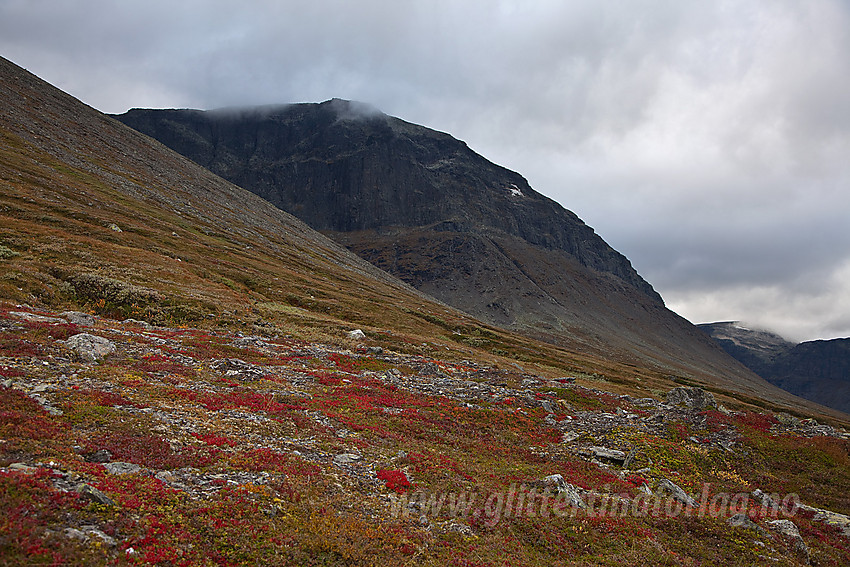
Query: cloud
column 705, row 140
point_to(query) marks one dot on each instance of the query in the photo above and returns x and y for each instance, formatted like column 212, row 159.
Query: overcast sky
column 707, row 141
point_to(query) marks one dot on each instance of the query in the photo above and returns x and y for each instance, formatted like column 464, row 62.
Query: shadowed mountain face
column 815, row 370
column 426, row 208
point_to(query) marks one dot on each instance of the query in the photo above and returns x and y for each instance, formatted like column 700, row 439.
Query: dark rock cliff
column 341, row 167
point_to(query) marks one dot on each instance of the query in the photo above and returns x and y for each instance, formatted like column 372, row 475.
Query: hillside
column 815, row 370
column 423, row 206
column 180, row 385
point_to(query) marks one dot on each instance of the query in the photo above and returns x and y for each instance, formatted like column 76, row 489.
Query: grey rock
column 840, row 521
column 346, row 458
column 91, row 348
column 569, row 437
column 789, row 529
column 95, row 495
column 120, row 467
column 668, row 487
column 21, row 467
column 766, row 501
column 356, row 335
column 35, row 318
column 787, row 419
column 99, row 456
column 606, row 454
column 744, row 521
column 692, row 398
column 74, row 533
column 90, row 531
column 79, row 318
column 564, row 491
column 627, row 463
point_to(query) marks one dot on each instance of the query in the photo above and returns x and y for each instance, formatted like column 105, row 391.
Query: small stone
column 346, row 458
column 356, row 335
column 569, row 437
column 459, row 527
column 744, row 521
column 143, row 324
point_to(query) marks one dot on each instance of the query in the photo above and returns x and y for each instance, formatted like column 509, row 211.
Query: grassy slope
column 189, row 256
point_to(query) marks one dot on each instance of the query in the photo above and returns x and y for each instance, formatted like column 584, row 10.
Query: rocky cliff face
column 343, row 167
column 423, row 206
column 815, row 370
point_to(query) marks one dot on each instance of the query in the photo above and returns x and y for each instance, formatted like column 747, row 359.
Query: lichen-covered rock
column 668, row 487
column 79, row 318
column 91, row 348
column 790, row 530
column 693, row 398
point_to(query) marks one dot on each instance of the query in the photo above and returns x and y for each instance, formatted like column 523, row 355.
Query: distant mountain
column 426, row 208
column 815, row 370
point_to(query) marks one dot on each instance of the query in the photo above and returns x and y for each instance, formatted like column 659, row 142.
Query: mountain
column 756, row 349
column 815, row 370
column 423, row 206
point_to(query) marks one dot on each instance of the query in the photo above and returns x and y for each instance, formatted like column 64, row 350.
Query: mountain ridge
column 815, row 370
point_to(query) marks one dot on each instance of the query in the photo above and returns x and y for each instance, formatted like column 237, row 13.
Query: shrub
column 395, row 480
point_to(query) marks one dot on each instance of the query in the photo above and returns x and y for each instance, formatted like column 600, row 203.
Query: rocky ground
column 132, row 443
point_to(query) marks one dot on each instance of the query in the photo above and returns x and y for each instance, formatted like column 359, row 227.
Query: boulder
column 346, row 458
column 606, row 454
column 789, row 529
column 90, row 348
column 668, row 487
column 79, row 318
column 564, row 491
column 95, row 495
column 120, row 467
column 356, row 335
column 693, row 398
